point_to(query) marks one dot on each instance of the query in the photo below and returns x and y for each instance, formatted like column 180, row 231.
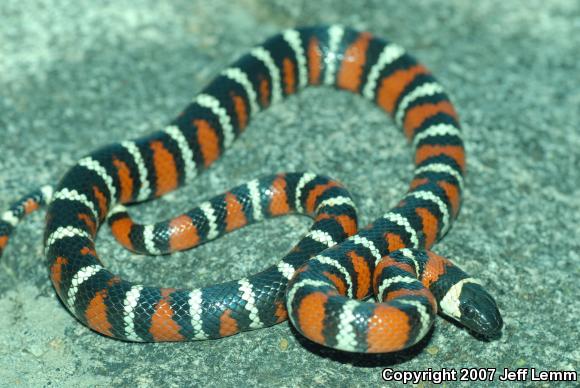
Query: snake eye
column 469, row 310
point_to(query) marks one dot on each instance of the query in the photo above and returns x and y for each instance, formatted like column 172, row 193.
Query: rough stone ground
column 78, row 75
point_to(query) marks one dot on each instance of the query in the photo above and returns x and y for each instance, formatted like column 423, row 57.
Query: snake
column 324, row 285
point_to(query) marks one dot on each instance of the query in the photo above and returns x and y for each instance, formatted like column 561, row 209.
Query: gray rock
column 78, row 75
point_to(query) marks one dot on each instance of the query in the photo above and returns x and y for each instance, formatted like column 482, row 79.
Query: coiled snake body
column 321, row 282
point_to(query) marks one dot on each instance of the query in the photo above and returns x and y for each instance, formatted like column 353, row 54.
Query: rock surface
column 76, row 75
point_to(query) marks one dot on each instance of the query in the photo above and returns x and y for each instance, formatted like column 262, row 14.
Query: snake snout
column 479, row 312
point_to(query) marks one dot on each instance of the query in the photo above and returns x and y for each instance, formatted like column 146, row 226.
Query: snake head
column 468, row 303
column 479, row 312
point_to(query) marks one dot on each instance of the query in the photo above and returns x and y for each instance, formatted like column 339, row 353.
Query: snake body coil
column 322, row 296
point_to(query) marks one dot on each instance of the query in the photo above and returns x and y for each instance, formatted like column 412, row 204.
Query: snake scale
column 322, row 285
